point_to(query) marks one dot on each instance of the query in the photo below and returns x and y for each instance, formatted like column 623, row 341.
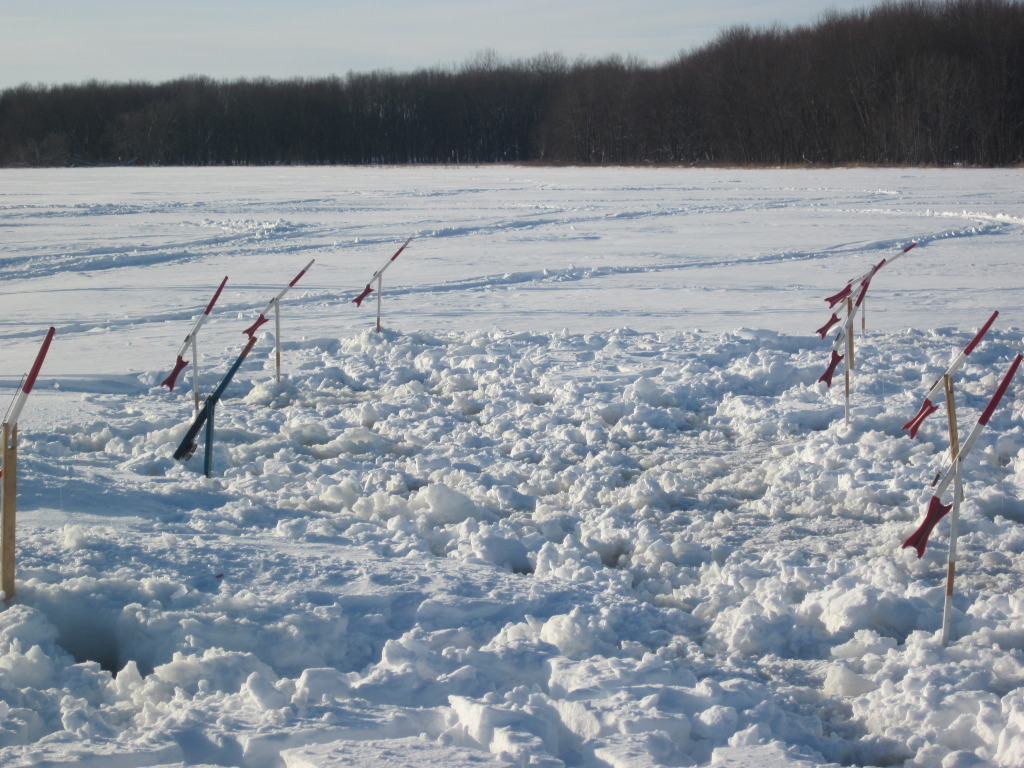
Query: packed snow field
column 582, row 502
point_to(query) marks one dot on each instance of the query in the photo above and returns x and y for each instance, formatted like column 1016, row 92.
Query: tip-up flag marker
column 936, row 510
column 275, row 304
column 11, row 419
column 378, row 276
column 190, row 341
column 204, row 417
column 831, row 370
column 842, row 346
column 9, row 473
column 863, row 281
column 928, row 407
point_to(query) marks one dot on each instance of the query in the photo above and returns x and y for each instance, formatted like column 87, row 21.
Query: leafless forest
column 909, row 83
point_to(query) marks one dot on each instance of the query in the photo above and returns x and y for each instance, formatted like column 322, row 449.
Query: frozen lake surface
column 583, row 502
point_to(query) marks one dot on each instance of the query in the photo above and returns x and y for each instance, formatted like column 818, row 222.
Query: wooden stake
column 849, row 356
column 380, row 284
column 8, row 503
column 954, row 436
column 958, row 496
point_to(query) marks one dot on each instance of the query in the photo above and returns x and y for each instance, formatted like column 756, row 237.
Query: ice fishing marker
column 936, row 509
column 190, row 341
column 358, row 300
column 275, row 304
column 9, row 473
column 844, row 339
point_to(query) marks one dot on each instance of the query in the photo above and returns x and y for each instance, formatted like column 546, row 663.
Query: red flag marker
column 936, row 511
column 251, row 330
column 845, row 332
column 867, row 281
column 838, row 297
column 823, row 331
column 928, row 407
column 30, row 380
column 919, row 538
column 181, row 362
column 831, row 370
column 358, row 301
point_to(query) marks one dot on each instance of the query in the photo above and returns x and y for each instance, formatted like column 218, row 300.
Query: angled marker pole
column 275, row 304
column 864, row 281
column 30, row 380
column 928, row 407
column 9, row 474
column 190, row 341
column 936, row 510
column 954, row 518
column 204, row 417
column 378, row 276
column 844, row 339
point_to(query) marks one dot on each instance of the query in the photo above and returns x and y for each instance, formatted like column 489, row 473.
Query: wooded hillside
column 907, row 83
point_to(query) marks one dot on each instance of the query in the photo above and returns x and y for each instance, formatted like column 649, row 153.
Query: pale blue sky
column 62, row 41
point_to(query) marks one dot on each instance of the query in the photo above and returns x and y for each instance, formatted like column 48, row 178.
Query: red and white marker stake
column 275, row 304
column 9, row 472
column 358, row 300
column 936, row 510
column 190, row 341
column 11, row 420
column 928, row 407
column 844, row 339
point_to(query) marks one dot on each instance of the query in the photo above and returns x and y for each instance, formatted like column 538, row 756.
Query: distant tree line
column 909, row 82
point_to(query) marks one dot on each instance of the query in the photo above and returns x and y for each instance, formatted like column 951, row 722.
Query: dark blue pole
column 208, row 458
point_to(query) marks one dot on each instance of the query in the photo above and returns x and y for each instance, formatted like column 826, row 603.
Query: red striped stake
column 26, row 388
column 928, row 407
column 190, row 341
column 275, row 304
column 958, row 497
column 936, row 510
column 9, row 473
column 844, row 339
column 378, row 276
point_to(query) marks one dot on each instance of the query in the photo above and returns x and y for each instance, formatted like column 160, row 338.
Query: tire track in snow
column 543, row 278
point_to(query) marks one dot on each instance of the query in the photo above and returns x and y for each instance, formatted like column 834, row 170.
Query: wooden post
column 8, row 502
column 954, row 515
column 849, row 356
column 277, row 336
column 380, row 288
column 954, row 436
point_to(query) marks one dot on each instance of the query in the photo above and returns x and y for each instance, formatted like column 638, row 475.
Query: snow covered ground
column 583, row 502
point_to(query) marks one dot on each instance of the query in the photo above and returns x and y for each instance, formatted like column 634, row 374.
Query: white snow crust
column 582, row 503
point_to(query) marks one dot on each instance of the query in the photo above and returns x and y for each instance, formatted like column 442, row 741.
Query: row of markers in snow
column 205, row 415
column 845, row 302
column 191, row 341
column 203, row 418
column 845, row 306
